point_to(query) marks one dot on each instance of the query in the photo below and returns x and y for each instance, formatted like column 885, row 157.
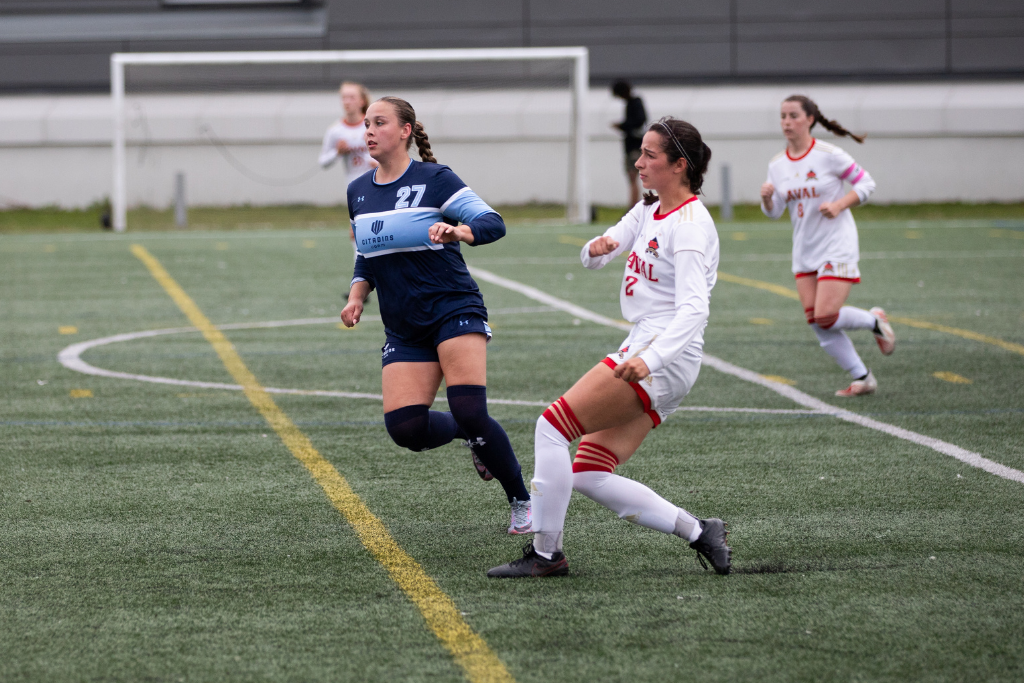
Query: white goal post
column 578, row 200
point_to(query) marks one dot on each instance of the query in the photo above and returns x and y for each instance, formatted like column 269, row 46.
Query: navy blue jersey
column 419, row 284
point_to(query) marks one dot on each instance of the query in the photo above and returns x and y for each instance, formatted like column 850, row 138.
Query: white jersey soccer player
column 346, row 138
column 671, row 267
column 357, row 160
column 666, row 291
column 821, row 245
column 809, row 178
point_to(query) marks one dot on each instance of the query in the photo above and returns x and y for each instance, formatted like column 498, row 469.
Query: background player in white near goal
column 344, row 138
column 666, row 290
column 808, row 178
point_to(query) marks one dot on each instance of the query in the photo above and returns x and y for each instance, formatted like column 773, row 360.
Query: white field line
column 71, row 358
column 968, row 457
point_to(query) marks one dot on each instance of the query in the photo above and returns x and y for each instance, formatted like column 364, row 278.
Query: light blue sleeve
column 465, row 205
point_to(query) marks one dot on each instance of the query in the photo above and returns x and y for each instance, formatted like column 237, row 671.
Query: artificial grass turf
column 21, row 220
column 158, row 538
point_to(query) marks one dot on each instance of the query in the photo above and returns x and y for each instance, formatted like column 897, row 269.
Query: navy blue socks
column 419, row 428
column 468, row 403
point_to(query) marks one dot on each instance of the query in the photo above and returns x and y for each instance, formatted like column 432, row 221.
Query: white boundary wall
column 927, row 142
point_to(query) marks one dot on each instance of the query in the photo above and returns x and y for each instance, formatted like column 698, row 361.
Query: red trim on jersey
column 791, row 158
column 644, row 397
column 659, row 216
column 812, row 273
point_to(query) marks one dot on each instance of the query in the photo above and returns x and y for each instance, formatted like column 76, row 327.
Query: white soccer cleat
column 860, row 387
column 522, row 517
column 886, row 338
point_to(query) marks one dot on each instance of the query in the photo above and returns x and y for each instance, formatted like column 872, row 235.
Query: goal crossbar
column 578, row 209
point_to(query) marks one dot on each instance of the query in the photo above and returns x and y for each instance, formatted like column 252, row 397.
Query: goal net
column 245, row 128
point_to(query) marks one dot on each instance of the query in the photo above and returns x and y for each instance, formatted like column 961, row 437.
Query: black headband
column 672, row 135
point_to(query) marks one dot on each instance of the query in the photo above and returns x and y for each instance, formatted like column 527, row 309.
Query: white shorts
column 833, row 270
column 661, row 392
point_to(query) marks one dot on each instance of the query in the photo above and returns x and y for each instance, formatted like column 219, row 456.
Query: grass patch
column 52, row 219
column 153, row 532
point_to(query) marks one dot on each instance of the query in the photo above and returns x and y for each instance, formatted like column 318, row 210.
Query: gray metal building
column 64, row 45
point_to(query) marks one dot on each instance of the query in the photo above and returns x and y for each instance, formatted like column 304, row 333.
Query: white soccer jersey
column 802, row 184
column 670, row 271
column 357, row 161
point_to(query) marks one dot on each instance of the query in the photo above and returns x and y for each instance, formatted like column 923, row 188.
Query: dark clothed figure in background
column 632, row 128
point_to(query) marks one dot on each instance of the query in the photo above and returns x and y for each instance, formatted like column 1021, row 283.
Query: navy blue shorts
column 398, row 351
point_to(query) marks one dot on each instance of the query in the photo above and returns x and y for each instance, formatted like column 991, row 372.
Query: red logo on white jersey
column 652, row 247
column 811, row 175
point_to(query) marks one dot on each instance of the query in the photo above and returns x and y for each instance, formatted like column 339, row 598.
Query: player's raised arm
column 602, row 250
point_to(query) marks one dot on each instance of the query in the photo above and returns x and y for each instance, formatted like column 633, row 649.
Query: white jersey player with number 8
column 808, row 178
column 671, row 267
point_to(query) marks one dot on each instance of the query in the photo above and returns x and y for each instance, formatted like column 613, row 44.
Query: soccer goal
column 244, row 128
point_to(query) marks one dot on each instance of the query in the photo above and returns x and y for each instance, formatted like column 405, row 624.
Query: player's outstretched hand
column 351, row 313
column 442, row 233
column 830, row 209
column 767, row 194
column 603, row 245
column 633, row 370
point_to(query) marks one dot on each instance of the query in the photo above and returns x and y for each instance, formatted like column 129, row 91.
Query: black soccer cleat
column 532, row 564
column 711, row 545
column 481, row 468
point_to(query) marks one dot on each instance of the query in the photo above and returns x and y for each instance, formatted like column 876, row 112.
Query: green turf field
column 164, row 532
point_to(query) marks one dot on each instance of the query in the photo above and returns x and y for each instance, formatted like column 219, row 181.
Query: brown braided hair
column 811, row 109
column 681, row 140
column 406, row 114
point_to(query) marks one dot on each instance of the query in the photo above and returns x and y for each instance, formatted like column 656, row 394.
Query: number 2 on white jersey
column 630, row 282
column 403, row 196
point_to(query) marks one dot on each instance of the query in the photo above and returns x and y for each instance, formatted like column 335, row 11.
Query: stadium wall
column 927, row 142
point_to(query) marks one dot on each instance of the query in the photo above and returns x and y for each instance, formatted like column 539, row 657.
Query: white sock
column 550, row 488
column 634, row 502
column 838, row 345
column 852, row 318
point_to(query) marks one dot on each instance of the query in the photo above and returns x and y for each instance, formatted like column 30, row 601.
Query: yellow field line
column 966, row 334
column 442, row 616
column 923, row 324
column 759, row 284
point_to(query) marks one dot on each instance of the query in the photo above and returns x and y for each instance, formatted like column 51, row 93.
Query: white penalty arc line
column 71, row 358
column 968, row 457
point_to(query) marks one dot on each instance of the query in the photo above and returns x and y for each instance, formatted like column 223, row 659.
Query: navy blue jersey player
column 408, row 218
